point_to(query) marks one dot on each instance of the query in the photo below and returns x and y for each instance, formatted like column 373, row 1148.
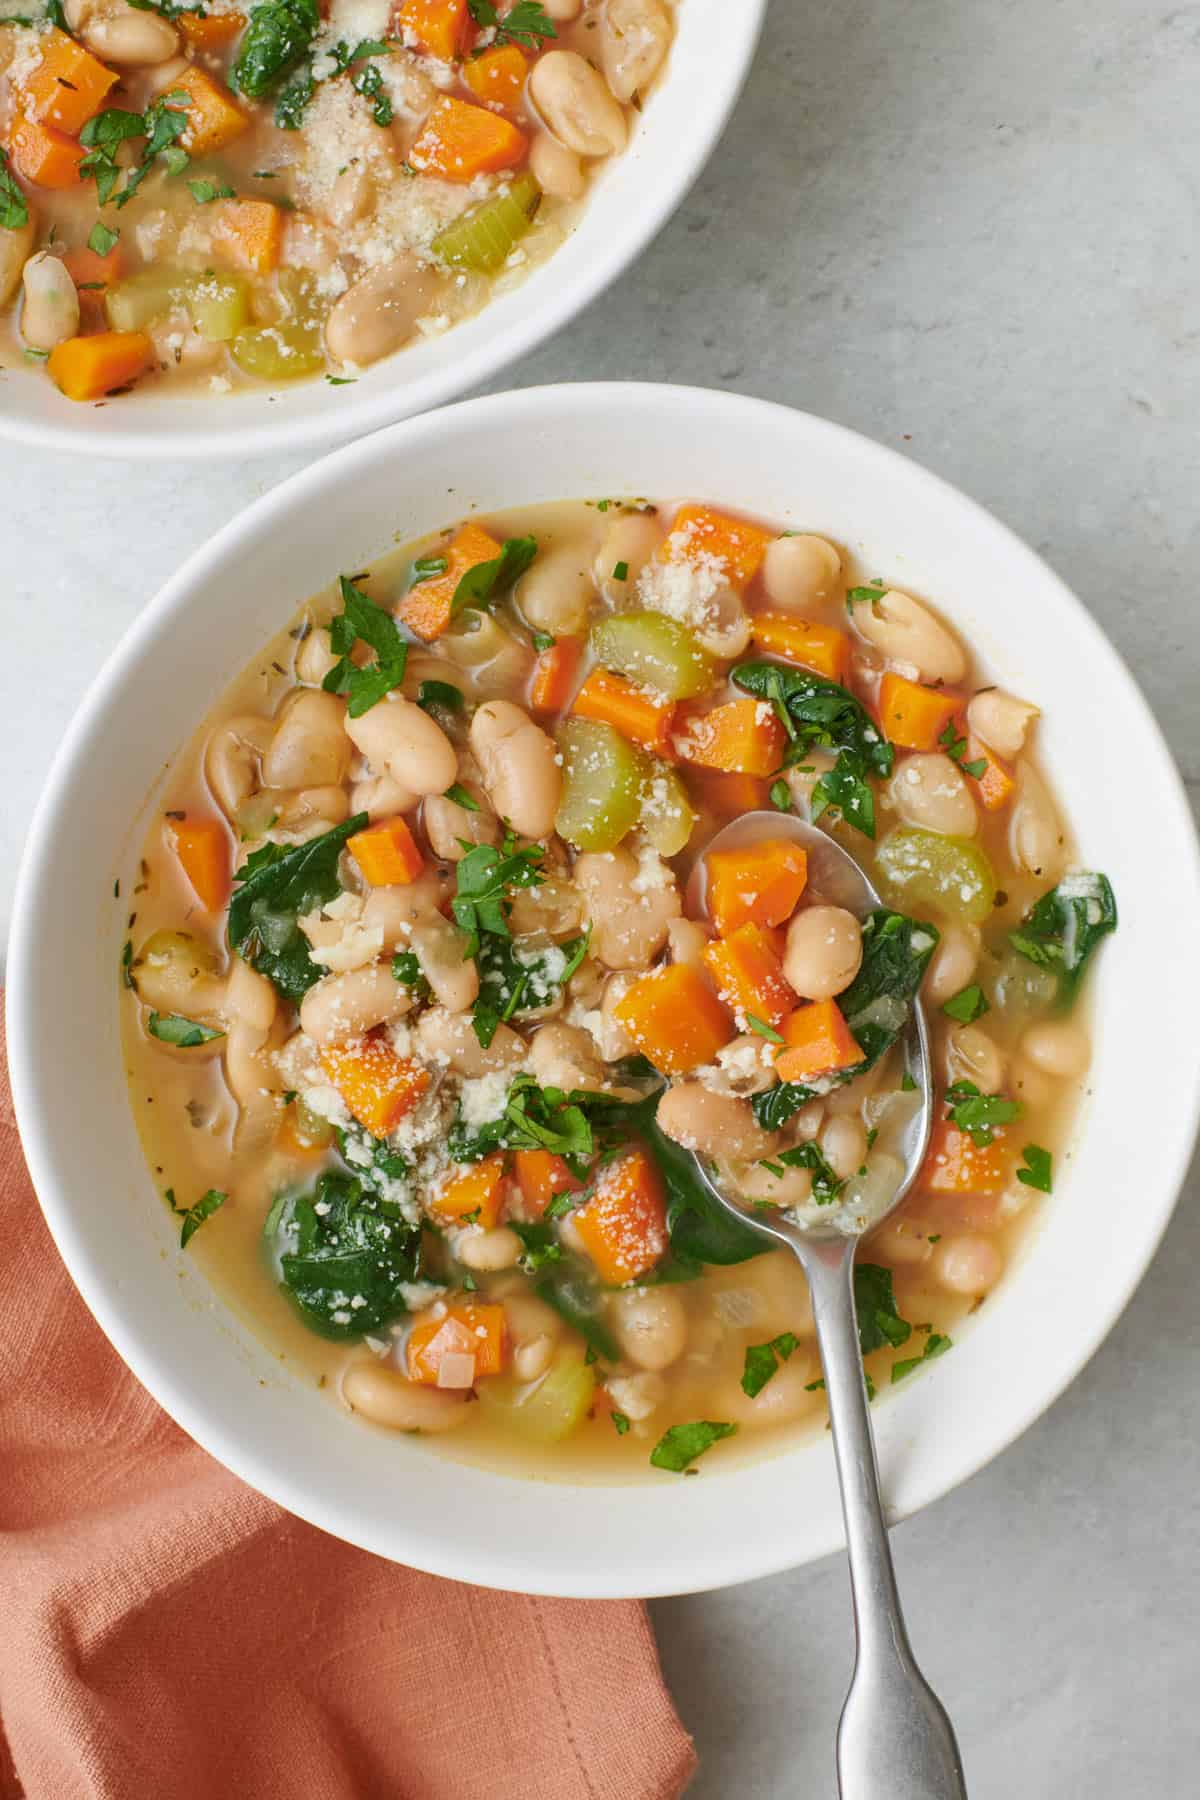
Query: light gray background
column 967, row 228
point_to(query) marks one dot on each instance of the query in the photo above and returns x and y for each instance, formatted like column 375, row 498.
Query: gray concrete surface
column 968, row 228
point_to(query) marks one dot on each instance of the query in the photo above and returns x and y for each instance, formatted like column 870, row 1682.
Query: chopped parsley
column 967, row 1005
column 487, row 582
column 14, row 208
column 620, row 571
column 194, row 1216
column 678, row 1448
column 361, row 619
column 1064, row 928
column 978, row 1114
column 762, row 1361
column 1038, row 1171
column 781, row 795
column 204, row 191
column 432, row 694
column 826, row 1186
column 527, row 24
column 426, row 568
column 540, row 1247
column 163, row 121
column 542, row 640
column 127, row 963
column 101, row 239
column 762, row 1029
column 483, row 879
column 935, row 1345
column 185, row 1034
column 407, row 970
column 955, row 747
column 819, row 713
column 620, row 1422
column 459, row 794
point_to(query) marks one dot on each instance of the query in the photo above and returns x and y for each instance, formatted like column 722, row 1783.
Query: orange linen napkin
column 168, row 1634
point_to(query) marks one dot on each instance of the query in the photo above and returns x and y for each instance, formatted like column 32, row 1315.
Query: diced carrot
column 249, row 233
column 214, row 119
column 459, row 141
column 386, row 853
column 468, row 1339
column 639, row 715
column 822, row 648
column 378, row 1086
column 554, row 675
column 818, row 1041
column 955, row 1164
column 202, row 847
column 624, row 1224
column 498, row 76
column 995, row 785
column 729, row 796
column 748, row 973
column 675, row 1019
column 43, row 155
column 915, row 716
column 700, row 532
column 212, row 32
column 541, row 1176
column 758, row 883
column 476, row 1194
column 68, row 86
column 441, row 27
column 92, row 271
column 743, row 737
column 425, row 609
column 85, row 368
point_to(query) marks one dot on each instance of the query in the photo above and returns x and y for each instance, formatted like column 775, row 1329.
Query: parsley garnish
column 204, row 192
column 679, row 1447
column 14, row 209
column 127, row 964
column 935, row 1345
column 361, row 618
column 968, row 1004
column 542, row 640
column 825, row 1184
column 185, row 1034
column 781, row 795
column 540, row 1246
column 872, row 595
column 483, row 878
column 458, row 793
column 979, row 1114
column 816, row 712
column 762, row 1360
column 1065, row 927
column 620, row 1423
column 620, row 571
column 1038, row 1170
column 763, row 1030
column 875, row 1304
column 955, row 748
column 485, row 582
column 439, row 693
column 194, row 1216
column 163, row 121
column 425, row 568
column 407, row 970
column 527, row 24
column 101, row 239
column 907, row 1084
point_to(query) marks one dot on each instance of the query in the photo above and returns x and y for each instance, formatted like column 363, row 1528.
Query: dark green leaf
column 571, row 1290
column 781, row 795
column 14, row 208
column 431, row 694
column 194, row 1216
column 968, row 1004
column 486, row 582
column 875, row 1304
column 362, row 621
column 979, row 1114
column 935, row 1345
column 292, row 102
column 274, row 888
column 278, row 34
column 482, row 881
column 620, row 1423
column 679, row 1447
column 459, row 794
column 407, row 970
column 1064, row 928
column 819, row 712
column 762, row 1360
column 540, row 1247
column 186, row 1034
column 371, row 1160
column 204, row 191
column 825, row 1184
column 1038, row 1170
column 344, row 1255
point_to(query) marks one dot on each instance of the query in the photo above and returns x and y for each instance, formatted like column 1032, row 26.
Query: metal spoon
column 894, row 1736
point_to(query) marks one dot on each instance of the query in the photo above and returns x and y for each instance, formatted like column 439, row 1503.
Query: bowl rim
column 742, row 1556
column 359, row 414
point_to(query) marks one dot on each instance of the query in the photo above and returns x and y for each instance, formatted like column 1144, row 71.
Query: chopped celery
column 140, row 299
column 312, row 1128
column 667, row 816
column 1020, row 989
column 602, row 782
column 545, row 1411
column 220, row 306
column 654, row 651
column 279, row 352
column 484, row 237
column 950, row 875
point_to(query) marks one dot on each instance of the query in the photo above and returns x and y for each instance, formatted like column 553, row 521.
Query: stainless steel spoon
column 894, row 1737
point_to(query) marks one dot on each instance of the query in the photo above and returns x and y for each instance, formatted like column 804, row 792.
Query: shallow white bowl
column 632, row 198
column 392, row 1496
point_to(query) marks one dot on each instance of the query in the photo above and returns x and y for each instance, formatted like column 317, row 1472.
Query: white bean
column 563, row 11
column 908, row 635
column 899, row 1246
column 1057, row 1048
column 380, row 311
column 556, row 593
column 396, row 909
column 784, row 1399
column 129, row 38
column 448, row 1040
column 1001, row 720
column 176, row 973
column 344, row 1006
column 800, row 572
column 250, row 999
column 687, row 941
column 967, row 1265
column 571, row 97
column 50, row 310
column 398, row 738
column 754, row 1182
column 309, row 747
column 441, row 950
column 554, row 908
column 651, row 1325
column 386, row 1398
column 727, row 625
column 632, row 539
column 351, row 198
column 488, row 1251
column 564, row 1056
column 314, row 657
column 232, row 759
column 634, row 38
column 1035, row 831
column 15, row 246
column 519, row 766
column 930, row 790
column 381, row 797
column 843, row 1140
column 952, row 964
column 628, row 928
column 448, row 825
column 972, row 1055
column 557, row 170
column 713, row 1124
column 824, row 951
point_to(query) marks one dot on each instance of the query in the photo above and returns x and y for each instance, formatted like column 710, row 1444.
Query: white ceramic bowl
column 632, row 198
column 393, row 1496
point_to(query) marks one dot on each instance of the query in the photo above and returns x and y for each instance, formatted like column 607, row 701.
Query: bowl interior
column 633, row 196
column 664, row 1535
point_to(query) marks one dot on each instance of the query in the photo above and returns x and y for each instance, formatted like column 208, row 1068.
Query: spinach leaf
column 514, row 982
column 292, row 100
column 875, row 1304
column 185, row 1034
column 275, row 887
column 534, row 1118
column 896, row 953
column 14, row 208
column 361, row 619
column 1065, row 927
column 700, row 1229
column 825, row 1184
column 485, row 582
column 573, row 1293
column 817, row 712
column 762, row 1360
column 344, row 1254
column 278, row 35
column 194, row 1216
column 372, row 1161
column 679, row 1447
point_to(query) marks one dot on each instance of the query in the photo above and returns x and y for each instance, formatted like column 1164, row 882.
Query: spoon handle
column 894, row 1737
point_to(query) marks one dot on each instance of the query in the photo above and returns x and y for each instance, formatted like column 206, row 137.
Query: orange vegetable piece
column 441, row 27
column 749, row 974
column 86, row 368
column 479, row 1189
column 729, row 796
column 675, row 1019
column 635, row 712
column 43, row 155
column 915, row 716
column 459, row 141
column 378, row 1086
column 202, row 847
column 214, row 119
column 818, row 1040
column 250, row 233
column 822, row 648
column 554, row 675
column 955, row 1164
column 743, row 737
column 757, row 884
column 425, row 609
column 213, row 32
column 68, row 86
column 466, row 1328
column 702, row 531
column 498, row 76
column 624, row 1224
column 93, row 275
column 540, row 1176
column 386, row 853
column 996, row 786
